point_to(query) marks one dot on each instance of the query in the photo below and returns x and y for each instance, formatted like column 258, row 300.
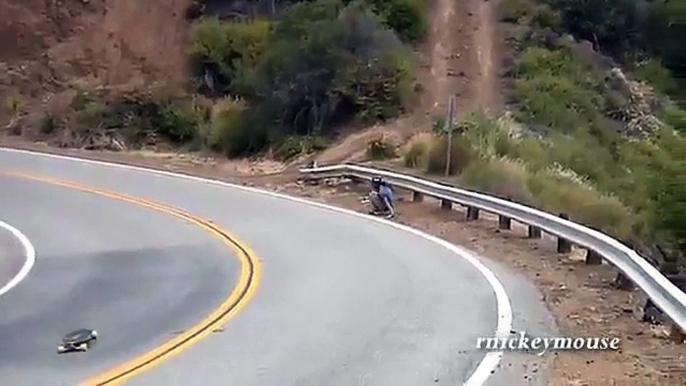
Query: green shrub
column 227, row 131
column 676, row 118
column 316, row 144
column 226, row 51
column 499, row 176
column 545, row 17
column 91, row 115
column 556, row 102
column 47, row 124
column 439, row 125
column 552, row 191
column 560, row 195
column 461, row 155
column 13, row 105
column 513, row 10
column 294, row 146
column 486, row 134
column 669, row 217
column 381, row 88
column 380, row 148
column 556, row 89
column 324, row 63
column 177, row 122
column 503, row 145
column 582, row 154
column 415, row 156
column 533, row 152
column 290, row 148
column 623, row 29
column 537, row 61
column 653, row 72
column 81, row 100
column 406, row 17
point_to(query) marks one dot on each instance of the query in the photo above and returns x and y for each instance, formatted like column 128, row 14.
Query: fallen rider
column 381, row 198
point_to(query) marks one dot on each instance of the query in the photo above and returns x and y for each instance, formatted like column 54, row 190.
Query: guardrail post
column 677, row 333
column 534, row 232
column 446, row 205
column 355, row 180
column 623, row 283
column 472, row 213
column 504, row 222
column 563, row 246
column 593, row 258
column 311, row 181
column 417, row 197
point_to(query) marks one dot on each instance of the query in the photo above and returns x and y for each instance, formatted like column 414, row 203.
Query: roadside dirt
column 580, row 297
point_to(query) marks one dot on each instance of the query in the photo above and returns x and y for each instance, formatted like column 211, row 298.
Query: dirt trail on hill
column 460, row 57
column 488, row 48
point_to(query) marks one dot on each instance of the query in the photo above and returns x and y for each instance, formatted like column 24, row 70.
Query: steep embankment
column 52, row 47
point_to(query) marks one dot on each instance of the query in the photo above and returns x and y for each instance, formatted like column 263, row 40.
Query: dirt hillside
column 48, row 47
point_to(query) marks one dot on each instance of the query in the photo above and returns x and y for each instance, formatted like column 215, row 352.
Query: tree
column 670, row 209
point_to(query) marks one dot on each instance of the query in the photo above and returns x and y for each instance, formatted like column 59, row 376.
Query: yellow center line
column 229, row 308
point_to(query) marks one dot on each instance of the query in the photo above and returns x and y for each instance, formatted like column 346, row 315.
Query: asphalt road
column 342, row 300
column 12, row 257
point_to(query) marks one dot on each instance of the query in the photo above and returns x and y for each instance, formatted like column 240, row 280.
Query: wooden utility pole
column 449, row 124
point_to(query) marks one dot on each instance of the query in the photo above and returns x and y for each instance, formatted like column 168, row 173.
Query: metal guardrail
column 668, row 297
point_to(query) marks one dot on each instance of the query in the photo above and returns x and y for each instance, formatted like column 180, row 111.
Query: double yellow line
column 239, row 297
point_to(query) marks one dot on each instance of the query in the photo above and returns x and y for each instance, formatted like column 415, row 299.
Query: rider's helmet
column 376, row 182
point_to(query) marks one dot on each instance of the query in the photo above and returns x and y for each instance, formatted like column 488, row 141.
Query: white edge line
column 504, row 324
column 29, row 251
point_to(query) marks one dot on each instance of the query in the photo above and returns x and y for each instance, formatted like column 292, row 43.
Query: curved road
column 342, row 300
